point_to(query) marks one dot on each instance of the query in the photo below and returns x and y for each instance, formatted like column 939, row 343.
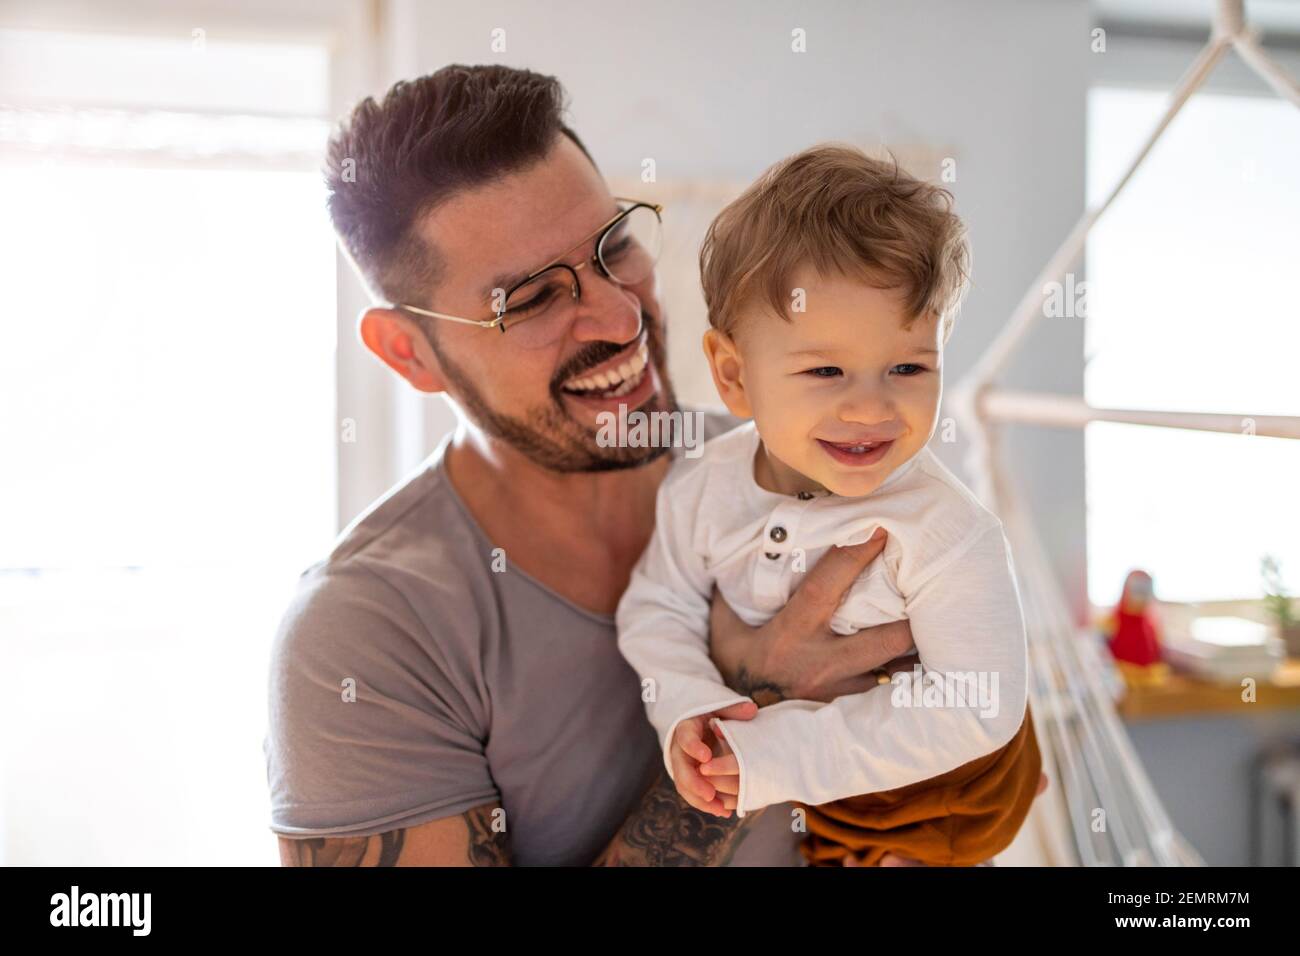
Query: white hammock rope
column 1080, row 733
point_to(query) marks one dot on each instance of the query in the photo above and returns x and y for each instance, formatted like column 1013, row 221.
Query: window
column 167, row 396
column 1191, row 307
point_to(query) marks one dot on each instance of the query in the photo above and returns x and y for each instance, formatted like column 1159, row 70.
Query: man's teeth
column 616, row 381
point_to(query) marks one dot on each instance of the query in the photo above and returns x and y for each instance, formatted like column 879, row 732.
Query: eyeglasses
column 535, row 310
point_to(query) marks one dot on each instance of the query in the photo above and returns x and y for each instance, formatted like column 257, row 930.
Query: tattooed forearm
column 381, row 850
column 666, row 831
column 474, row 838
column 762, row 692
column 487, row 845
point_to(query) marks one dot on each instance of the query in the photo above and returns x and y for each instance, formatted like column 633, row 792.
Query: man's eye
column 616, row 249
column 825, row 371
column 908, row 369
column 538, row 301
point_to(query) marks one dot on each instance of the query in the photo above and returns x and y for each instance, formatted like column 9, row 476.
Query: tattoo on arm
column 380, row 850
column 666, row 831
column 762, row 692
column 487, row 847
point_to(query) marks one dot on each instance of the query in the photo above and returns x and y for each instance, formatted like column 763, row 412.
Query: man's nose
column 606, row 311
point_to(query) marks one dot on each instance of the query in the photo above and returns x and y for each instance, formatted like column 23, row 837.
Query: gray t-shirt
column 471, row 687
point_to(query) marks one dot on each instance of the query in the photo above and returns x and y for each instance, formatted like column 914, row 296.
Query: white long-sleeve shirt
column 946, row 568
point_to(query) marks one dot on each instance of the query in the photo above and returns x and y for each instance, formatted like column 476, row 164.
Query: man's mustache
column 598, row 352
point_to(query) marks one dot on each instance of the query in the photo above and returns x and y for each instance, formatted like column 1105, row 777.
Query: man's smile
column 628, row 378
column 616, row 377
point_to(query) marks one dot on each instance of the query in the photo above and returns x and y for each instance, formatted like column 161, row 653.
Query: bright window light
column 168, row 423
column 1191, row 307
column 167, row 384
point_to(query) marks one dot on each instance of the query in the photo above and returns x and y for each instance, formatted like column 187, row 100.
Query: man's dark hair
column 391, row 162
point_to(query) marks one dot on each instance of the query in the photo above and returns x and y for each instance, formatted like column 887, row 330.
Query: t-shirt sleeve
column 374, row 723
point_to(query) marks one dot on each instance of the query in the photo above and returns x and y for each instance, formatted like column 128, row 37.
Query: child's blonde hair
column 835, row 208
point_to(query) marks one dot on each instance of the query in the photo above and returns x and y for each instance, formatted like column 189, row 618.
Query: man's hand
column 693, row 743
column 796, row 655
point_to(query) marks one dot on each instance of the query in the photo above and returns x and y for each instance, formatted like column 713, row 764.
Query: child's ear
column 728, row 372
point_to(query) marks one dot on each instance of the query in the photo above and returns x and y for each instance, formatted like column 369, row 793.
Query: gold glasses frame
column 598, row 234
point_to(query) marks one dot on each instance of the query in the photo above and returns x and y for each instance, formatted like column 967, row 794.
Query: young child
column 832, row 284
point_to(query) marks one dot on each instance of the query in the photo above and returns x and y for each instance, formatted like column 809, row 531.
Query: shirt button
column 771, row 555
column 805, row 495
column 778, row 534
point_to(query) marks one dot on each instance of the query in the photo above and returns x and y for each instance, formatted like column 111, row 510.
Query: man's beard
column 547, row 434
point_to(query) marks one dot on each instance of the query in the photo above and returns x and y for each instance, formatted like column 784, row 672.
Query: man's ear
column 401, row 345
column 728, row 372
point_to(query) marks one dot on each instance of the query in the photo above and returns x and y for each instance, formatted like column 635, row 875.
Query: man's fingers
column 726, row 766
column 889, row 859
column 823, row 587
column 849, row 686
column 874, row 647
column 902, row 663
column 720, row 611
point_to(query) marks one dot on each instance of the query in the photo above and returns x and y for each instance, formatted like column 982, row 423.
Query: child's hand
column 723, row 771
column 692, row 745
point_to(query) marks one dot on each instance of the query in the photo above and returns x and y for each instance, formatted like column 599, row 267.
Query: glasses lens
column 535, row 312
column 630, row 250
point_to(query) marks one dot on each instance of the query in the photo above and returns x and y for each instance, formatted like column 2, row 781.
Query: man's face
column 544, row 402
column 843, row 394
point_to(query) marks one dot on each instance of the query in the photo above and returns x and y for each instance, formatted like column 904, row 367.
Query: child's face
column 843, row 394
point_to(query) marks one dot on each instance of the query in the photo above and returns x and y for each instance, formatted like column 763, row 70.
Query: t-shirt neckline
column 437, row 465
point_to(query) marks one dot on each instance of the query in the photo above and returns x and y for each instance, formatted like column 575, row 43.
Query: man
column 446, row 687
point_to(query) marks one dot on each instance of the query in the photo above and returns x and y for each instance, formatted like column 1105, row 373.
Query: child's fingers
column 689, row 777
column 745, row 710
column 712, row 807
column 726, row 766
column 694, row 789
column 729, row 785
column 690, row 741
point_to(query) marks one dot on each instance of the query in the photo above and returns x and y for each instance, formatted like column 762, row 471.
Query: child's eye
column 825, row 371
column 907, row 370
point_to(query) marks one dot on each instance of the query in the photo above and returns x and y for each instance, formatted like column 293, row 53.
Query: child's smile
column 842, row 393
column 857, row 454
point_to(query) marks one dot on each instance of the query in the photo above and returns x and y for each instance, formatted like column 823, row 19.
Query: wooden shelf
column 1186, row 696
